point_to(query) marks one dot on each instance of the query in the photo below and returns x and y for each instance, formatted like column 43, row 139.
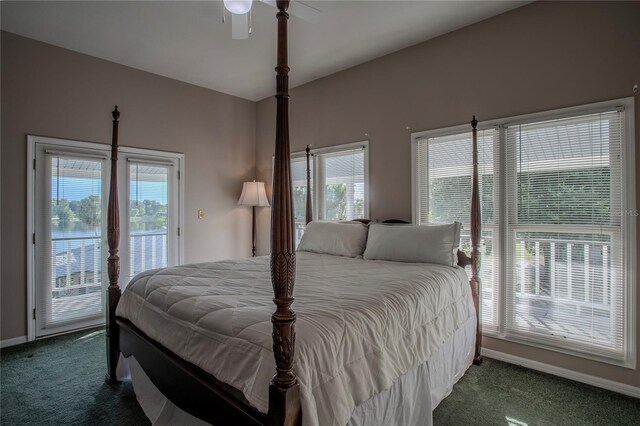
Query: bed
column 370, row 334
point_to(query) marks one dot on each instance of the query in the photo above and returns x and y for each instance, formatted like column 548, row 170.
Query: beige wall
column 56, row 92
column 535, row 58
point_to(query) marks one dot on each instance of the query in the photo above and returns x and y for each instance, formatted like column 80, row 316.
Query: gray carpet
column 61, row 381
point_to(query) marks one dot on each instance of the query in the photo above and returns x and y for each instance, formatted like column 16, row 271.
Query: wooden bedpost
column 309, row 209
column 476, row 232
column 113, row 262
column 284, row 400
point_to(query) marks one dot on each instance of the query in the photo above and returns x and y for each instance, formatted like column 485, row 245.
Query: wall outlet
column 200, row 214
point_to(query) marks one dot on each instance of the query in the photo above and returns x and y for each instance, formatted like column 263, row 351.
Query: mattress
column 361, row 324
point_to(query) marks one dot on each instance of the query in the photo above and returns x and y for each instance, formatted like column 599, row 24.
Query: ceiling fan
column 241, row 15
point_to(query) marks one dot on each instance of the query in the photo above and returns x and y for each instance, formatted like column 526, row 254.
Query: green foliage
column 566, row 197
column 335, row 201
column 450, row 199
column 148, row 215
column 90, row 211
column 300, row 203
column 145, row 215
column 61, row 213
column 358, row 208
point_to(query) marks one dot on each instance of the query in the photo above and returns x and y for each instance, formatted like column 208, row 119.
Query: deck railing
column 78, row 261
column 77, row 267
column 147, row 250
column 564, row 271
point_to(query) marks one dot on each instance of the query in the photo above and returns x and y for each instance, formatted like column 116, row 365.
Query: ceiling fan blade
column 304, row 11
column 239, row 26
column 300, row 10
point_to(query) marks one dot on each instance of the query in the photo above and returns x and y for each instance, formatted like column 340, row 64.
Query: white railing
column 564, row 271
column 147, row 250
column 77, row 268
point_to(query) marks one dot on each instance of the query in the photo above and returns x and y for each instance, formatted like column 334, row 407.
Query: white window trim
column 629, row 206
column 32, row 141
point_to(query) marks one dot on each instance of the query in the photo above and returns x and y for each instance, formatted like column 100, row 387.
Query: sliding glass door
column 70, row 187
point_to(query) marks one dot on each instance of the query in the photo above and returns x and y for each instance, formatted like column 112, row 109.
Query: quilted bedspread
column 361, row 324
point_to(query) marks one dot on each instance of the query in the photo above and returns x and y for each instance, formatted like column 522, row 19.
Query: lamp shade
column 253, row 194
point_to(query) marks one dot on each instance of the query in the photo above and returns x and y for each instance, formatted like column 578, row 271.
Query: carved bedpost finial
column 474, row 122
column 115, row 113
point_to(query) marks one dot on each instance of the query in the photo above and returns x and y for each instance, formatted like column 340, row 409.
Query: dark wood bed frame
column 189, row 387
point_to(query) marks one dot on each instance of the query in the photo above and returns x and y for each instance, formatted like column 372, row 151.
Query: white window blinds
column 443, row 189
column 565, row 236
column 342, row 184
column 69, row 225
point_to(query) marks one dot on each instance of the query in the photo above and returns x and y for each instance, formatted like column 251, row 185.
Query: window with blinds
column 558, row 220
column 565, row 234
column 341, row 191
column 443, row 178
column 338, row 184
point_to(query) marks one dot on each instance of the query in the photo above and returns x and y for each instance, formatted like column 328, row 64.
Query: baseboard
column 563, row 372
column 12, row 342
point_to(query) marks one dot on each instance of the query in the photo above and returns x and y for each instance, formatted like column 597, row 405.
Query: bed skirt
column 410, row 401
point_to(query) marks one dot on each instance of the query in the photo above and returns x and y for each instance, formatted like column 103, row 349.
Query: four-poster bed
column 188, row 384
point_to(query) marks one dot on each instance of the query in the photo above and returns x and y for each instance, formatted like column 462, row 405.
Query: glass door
column 70, row 257
column 69, row 209
column 150, row 216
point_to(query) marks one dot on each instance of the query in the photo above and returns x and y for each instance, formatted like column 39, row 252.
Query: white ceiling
column 187, row 40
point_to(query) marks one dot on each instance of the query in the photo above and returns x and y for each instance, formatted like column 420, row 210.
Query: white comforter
column 361, row 324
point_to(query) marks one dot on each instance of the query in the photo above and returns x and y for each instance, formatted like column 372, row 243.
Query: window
column 339, row 184
column 558, row 226
column 443, row 173
column 69, row 187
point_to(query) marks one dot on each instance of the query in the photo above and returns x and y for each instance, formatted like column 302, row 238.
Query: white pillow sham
column 414, row 244
column 336, row 238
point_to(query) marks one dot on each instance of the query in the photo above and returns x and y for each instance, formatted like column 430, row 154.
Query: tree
column 61, row 211
column 335, row 201
column 75, row 207
column 90, row 211
column 358, row 208
column 300, row 203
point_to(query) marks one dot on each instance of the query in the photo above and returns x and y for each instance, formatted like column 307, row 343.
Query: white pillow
column 339, row 239
column 411, row 243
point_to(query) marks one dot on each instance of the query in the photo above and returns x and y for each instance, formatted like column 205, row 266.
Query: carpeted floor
column 61, row 381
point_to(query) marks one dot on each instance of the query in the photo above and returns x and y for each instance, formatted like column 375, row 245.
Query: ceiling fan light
column 238, row 7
